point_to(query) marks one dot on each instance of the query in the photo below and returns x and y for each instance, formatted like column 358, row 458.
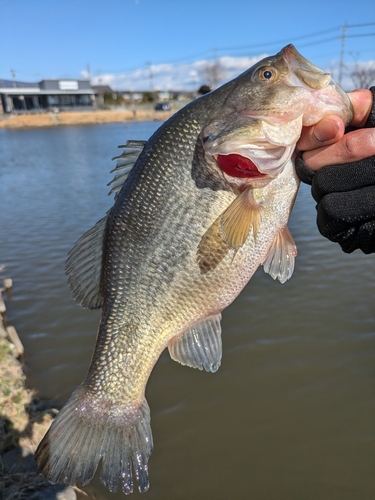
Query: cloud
column 190, row 76
column 186, row 76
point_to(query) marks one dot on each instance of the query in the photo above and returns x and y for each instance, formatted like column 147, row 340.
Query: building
column 101, row 91
column 67, row 94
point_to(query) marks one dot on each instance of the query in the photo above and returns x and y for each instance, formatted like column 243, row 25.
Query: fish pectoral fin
column 242, row 214
column 279, row 263
column 83, row 267
column 200, row 346
column 125, row 162
column 229, row 231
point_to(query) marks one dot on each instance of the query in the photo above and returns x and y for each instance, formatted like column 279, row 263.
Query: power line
column 357, row 36
column 284, row 40
column 207, row 53
column 360, row 25
column 302, row 37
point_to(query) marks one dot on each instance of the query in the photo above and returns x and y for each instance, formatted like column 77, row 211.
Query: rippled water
column 291, row 412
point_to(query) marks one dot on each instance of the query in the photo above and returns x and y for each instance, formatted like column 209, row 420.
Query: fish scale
column 180, row 243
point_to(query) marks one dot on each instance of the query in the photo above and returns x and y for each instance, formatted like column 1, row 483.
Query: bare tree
column 212, row 73
column 363, row 74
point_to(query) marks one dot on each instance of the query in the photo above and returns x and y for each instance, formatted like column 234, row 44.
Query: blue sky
column 164, row 43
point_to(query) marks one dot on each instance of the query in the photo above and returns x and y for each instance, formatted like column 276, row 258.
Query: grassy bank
column 24, row 419
column 80, row 118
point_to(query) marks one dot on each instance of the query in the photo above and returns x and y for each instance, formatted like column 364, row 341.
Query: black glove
column 345, row 196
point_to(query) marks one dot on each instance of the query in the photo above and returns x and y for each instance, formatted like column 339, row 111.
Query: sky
column 166, row 44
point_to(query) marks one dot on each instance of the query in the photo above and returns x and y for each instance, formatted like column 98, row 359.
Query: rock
column 14, row 338
column 18, row 460
column 55, row 492
column 8, row 283
column 3, row 332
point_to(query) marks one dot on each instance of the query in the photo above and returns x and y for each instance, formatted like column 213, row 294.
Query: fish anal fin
column 242, row 214
column 199, row 347
column 83, row 267
column 279, row 263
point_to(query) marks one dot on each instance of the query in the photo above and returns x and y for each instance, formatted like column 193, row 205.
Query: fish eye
column 266, row 74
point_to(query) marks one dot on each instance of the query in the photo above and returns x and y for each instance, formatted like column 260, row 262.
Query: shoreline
column 69, row 118
column 24, row 419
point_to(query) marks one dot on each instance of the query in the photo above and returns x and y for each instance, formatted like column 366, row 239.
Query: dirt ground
column 80, row 118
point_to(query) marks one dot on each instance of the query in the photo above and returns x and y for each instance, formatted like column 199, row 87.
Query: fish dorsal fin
column 84, row 263
column 125, row 162
column 83, row 267
column 279, row 263
column 199, row 347
column 242, row 214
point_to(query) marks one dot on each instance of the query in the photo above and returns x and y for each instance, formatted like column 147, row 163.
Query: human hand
column 341, row 170
column 326, row 144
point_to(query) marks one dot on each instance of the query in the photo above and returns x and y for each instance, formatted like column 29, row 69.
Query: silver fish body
column 182, row 240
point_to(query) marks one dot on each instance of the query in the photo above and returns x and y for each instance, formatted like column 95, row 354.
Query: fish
column 198, row 208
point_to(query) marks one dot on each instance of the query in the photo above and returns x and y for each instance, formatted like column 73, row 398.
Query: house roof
column 101, row 89
column 38, row 91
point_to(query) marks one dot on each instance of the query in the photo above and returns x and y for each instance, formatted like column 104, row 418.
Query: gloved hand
column 345, row 196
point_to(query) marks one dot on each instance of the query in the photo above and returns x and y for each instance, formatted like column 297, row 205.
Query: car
column 162, row 106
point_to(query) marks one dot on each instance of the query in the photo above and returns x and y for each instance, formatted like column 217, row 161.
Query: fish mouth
column 238, row 166
column 323, row 89
column 251, row 161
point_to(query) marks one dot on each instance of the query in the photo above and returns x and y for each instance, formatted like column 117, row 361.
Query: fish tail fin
column 88, row 429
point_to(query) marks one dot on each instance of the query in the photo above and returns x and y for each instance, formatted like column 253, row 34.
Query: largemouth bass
column 198, row 208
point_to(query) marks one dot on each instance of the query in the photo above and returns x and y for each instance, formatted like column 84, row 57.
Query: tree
column 212, row 73
column 363, row 74
column 204, row 89
column 148, row 97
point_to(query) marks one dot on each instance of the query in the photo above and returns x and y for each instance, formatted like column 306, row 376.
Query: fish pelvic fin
column 229, row 231
column 199, row 347
column 87, row 430
column 279, row 263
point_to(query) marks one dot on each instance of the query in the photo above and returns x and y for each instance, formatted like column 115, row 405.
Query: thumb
column 327, row 131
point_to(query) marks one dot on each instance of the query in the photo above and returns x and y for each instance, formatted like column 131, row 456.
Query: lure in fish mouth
column 198, row 208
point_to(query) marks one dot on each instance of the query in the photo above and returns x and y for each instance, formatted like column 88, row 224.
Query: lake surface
column 290, row 415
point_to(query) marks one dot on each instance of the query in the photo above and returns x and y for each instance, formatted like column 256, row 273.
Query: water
column 289, row 415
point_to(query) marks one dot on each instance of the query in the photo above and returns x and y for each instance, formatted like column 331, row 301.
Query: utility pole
column 215, row 76
column 342, row 55
column 88, row 72
column 150, row 76
column 14, row 77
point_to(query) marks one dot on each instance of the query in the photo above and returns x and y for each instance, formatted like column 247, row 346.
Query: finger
column 352, row 147
column 362, row 104
column 329, row 130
